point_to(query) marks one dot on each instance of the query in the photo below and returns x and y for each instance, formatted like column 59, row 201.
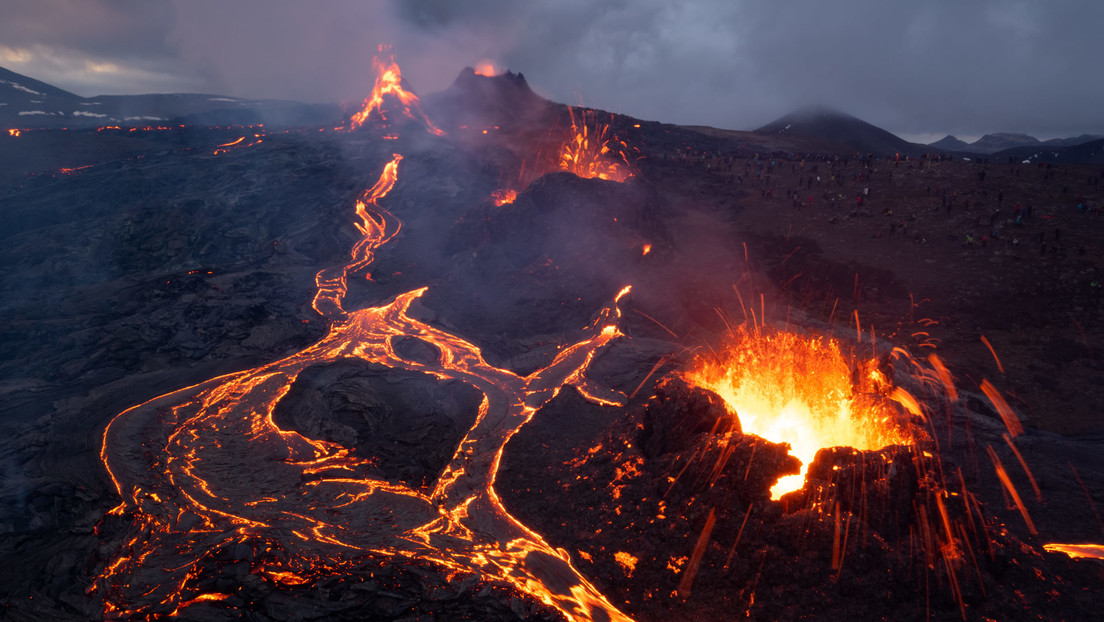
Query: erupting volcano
column 469, row 356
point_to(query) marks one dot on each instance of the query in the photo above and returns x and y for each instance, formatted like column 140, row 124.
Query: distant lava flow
column 789, row 388
column 389, row 86
column 209, row 480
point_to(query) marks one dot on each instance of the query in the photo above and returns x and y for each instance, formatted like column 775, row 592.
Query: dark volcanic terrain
column 161, row 258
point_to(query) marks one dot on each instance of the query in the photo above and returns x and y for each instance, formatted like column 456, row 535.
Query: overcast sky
column 920, row 69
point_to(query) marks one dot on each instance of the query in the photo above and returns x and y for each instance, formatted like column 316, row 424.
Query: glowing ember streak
column 389, row 84
column 1011, row 421
column 503, row 196
column 225, row 474
column 1088, row 551
column 590, row 152
column 1007, row 483
column 13, row 132
column 647, row 249
column 788, row 388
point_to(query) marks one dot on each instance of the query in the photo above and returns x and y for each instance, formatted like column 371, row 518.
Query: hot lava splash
column 791, row 388
column 207, row 477
column 591, row 152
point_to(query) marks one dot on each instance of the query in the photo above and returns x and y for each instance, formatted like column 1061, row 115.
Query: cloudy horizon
column 920, row 71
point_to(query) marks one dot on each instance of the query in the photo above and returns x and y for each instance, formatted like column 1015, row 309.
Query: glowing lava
column 592, row 152
column 503, row 196
column 205, row 473
column 388, row 86
column 258, row 138
column 1088, row 551
column 789, row 388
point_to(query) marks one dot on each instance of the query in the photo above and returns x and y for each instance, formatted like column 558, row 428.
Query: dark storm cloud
column 91, row 45
column 917, row 68
column 921, row 68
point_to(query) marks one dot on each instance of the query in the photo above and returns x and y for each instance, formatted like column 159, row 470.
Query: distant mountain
column 1073, row 141
column 29, row 103
column 844, row 129
column 1014, row 144
column 950, row 143
column 992, row 143
column 1091, row 152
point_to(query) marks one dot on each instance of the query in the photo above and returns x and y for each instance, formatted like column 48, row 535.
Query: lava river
column 207, row 477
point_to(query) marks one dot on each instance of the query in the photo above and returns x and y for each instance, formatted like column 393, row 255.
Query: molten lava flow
column 377, row 226
column 591, row 152
column 13, row 132
column 503, row 196
column 1090, row 551
column 389, row 85
column 789, row 388
column 258, row 138
column 206, row 474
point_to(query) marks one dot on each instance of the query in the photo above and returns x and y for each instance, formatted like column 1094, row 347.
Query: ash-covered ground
column 162, row 265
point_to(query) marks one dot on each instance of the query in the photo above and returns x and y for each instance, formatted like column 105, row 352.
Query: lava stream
column 205, row 470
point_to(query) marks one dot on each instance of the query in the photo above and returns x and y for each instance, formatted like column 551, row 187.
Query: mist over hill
column 1013, row 143
column 29, row 103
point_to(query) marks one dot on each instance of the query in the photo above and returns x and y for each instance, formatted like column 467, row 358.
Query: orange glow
column 503, row 196
column 70, row 171
column 13, row 132
column 1088, row 551
column 647, row 249
column 377, row 226
column 789, row 388
column 628, row 562
column 226, row 474
column 485, row 68
column 591, row 152
column 389, row 84
column 1011, row 421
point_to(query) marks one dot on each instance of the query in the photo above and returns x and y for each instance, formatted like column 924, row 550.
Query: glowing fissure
column 788, row 388
column 206, row 468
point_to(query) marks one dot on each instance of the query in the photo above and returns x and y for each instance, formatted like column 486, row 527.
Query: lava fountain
column 389, row 86
column 593, row 152
column 801, row 390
